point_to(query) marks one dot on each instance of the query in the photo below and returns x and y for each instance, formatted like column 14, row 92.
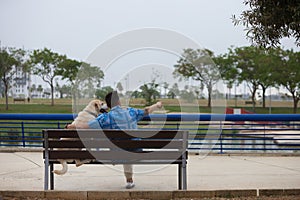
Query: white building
column 20, row 84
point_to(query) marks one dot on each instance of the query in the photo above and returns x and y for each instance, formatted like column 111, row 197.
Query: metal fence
column 219, row 133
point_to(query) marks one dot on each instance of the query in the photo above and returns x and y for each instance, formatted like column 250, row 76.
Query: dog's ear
column 97, row 105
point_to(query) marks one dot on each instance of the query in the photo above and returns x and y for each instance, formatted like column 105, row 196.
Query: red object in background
column 241, row 110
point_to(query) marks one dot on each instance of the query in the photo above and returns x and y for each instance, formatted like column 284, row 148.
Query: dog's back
column 90, row 112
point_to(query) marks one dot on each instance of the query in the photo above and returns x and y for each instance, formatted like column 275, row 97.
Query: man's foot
column 130, row 185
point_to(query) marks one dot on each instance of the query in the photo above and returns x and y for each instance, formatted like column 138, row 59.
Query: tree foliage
column 68, row 69
column 174, row 91
column 254, row 65
column 268, row 21
column 287, row 74
column 149, row 92
column 10, row 59
column 102, row 92
column 198, row 65
column 120, row 87
column 45, row 64
column 88, row 80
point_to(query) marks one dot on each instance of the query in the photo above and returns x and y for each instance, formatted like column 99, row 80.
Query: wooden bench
column 116, row 147
column 19, row 99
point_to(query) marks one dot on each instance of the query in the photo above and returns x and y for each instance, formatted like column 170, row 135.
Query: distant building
column 20, row 84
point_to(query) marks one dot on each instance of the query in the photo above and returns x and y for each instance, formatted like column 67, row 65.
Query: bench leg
column 179, row 176
column 184, row 177
column 51, row 177
column 46, row 175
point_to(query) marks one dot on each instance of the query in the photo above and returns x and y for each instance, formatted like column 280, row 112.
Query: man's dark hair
column 112, row 99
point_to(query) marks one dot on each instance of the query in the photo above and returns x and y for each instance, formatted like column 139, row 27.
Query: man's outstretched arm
column 153, row 107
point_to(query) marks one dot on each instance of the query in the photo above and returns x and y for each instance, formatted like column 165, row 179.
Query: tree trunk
column 253, row 97
column 52, row 95
column 296, row 100
column 209, row 89
column 264, row 96
column 6, row 96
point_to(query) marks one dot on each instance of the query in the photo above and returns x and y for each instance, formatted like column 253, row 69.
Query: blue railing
column 218, row 133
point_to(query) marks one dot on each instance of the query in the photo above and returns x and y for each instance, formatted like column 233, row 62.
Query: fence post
column 221, row 138
column 23, row 134
column 264, row 139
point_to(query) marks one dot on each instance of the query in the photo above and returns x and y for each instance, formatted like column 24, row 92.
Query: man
column 119, row 118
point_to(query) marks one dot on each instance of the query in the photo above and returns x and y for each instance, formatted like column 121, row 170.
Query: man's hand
column 154, row 107
column 159, row 105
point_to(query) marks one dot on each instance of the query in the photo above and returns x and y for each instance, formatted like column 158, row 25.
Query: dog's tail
column 64, row 168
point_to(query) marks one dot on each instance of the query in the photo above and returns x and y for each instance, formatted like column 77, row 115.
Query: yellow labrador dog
column 90, row 112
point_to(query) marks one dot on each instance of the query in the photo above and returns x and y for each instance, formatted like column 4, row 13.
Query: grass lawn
column 36, row 108
column 170, row 105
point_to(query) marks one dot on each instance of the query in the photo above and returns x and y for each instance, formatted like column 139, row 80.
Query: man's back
column 118, row 118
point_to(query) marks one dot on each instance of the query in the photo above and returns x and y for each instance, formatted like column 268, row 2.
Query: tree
column 33, row 88
column 10, row 58
column 198, row 65
column 268, row 21
column 101, row 93
column 64, row 89
column 45, row 64
column 135, row 94
column 149, row 92
column 174, row 91
column 266, row 61
column 227, row 70
column 288, row 74
column 187, row 94
column 120, row 87
column 88, row 79
column 68, row 69
column 40, row 89
column 245, row 59
column 165, row 86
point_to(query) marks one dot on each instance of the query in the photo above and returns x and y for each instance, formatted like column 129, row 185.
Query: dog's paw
column 66, row 126
column 58, row 172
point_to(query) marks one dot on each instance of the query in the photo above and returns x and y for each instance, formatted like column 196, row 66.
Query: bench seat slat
column 114, row 155
column 156, row 144
column 119, row 162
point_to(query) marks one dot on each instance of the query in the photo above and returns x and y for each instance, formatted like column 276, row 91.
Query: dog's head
column 97, row 106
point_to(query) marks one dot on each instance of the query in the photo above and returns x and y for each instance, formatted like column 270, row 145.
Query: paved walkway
column 25, row 171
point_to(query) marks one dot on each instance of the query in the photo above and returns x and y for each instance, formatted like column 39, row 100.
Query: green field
column 170, row 105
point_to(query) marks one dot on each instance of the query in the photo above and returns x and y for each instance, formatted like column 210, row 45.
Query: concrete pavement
column 24, row 171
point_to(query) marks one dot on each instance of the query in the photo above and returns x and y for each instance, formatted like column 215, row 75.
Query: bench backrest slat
column 115, row 144
column 127, row 134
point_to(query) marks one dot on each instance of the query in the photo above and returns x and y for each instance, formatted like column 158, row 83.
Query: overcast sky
column 76, row 28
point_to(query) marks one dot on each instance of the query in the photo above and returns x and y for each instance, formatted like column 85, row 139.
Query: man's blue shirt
column 118, row 118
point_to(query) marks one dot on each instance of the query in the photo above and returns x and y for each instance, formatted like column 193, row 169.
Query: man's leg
column 128, row 174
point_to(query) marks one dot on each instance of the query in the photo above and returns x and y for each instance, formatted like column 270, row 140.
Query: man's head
column 112, row 99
